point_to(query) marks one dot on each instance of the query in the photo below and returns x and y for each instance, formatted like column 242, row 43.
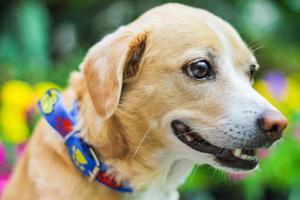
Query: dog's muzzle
column 244, row 158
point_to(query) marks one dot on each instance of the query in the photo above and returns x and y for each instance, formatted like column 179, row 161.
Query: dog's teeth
column 244, row 156
column 251, row 158
column 237, row 152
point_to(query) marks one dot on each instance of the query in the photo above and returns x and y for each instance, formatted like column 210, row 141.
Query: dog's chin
column 231, row 170
column 231, row 160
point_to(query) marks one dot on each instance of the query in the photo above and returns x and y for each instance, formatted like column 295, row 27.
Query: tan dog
column 170, row 90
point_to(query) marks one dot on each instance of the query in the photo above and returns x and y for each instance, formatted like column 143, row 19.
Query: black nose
column 272, row 123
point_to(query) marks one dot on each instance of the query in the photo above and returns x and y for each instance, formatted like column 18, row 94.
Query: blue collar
column 81, row 153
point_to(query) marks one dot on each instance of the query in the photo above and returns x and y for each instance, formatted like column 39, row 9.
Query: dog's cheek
column 113, row 144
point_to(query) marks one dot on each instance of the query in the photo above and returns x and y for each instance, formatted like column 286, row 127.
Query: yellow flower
column 288, row 104
column 17, row 94
column 14, row 127
column 262, row 88
column 17, row 98
column 292, row 99
column 41, row 88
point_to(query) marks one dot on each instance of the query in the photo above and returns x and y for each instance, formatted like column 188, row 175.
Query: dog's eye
column 198, row 69
column 252, row 72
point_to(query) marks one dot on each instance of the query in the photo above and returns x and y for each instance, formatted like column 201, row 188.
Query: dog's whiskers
column 195, row 131
column 257, row 42
column 229, row 146
column 141, row 142
column 226, row 147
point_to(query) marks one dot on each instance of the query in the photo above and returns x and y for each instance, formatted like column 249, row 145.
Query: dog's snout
column 272, row 123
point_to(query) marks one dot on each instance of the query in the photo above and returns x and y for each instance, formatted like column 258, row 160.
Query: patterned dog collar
column 81, row 153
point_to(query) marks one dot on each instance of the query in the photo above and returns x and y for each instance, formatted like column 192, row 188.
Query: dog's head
column 185, row 76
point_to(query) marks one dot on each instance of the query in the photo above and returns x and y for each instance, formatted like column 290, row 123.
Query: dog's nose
column 273, row 123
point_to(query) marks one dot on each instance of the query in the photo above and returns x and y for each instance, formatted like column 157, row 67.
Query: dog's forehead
column 177, row 29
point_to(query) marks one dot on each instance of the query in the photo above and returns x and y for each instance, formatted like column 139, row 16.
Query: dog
column 170, row 90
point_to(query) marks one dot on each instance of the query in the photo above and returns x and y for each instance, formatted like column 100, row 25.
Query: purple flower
column 2, row 155
column 276, row 83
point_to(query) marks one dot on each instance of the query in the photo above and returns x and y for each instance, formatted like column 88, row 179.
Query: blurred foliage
column 45, row 40
column 38, row 34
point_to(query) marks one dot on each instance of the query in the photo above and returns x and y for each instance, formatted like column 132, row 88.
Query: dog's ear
column 112, row 61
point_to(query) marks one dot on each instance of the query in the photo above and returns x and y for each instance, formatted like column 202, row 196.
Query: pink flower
column 262, row 153
column 237, row 176
column 3, row 182
column 19, row 149
column 2, row 155
column 298, row 133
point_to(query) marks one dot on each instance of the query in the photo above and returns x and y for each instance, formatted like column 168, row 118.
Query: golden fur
column 127, row 85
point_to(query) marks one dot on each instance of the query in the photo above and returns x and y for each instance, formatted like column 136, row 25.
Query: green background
column 45, row 40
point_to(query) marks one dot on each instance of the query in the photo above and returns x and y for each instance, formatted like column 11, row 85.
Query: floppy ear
column 110, row 62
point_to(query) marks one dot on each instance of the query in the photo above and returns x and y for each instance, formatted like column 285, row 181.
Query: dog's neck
column 152, row 172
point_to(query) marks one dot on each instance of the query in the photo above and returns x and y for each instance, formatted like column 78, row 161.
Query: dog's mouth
column 239, row 159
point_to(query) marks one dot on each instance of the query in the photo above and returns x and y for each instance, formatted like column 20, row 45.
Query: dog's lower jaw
column 155, row 194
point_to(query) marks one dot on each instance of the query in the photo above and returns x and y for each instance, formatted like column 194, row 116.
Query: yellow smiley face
column 48, row 101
